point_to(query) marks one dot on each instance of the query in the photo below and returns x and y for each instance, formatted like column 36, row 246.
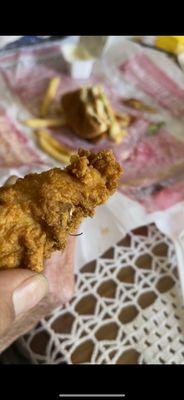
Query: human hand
column 26, row 297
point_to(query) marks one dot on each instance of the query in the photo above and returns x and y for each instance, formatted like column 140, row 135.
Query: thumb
column 20, row 291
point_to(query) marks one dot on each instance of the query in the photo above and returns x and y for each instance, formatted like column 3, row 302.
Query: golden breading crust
column 39, row 211
column 87, row 111
column 77, row 116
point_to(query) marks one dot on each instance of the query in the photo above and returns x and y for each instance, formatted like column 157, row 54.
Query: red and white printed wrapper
column 150, row 185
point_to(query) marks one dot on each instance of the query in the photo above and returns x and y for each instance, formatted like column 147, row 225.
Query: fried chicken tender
column 80, row 113
column 38, row 212
column 89, row 113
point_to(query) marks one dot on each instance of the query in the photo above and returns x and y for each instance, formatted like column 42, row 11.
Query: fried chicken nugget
column 85, row 111
column 38, row 212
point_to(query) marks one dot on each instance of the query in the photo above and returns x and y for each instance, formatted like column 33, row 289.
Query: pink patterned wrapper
column 16, row 150
column 154, row 165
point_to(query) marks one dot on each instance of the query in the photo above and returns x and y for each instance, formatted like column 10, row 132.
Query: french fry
column 123, row 119
column 119, row 137
column 53, row 152
column 38, row 123
column 52, row 147
column 160, row 176
column 115, row 133
column 54, row 142
column 50, row 94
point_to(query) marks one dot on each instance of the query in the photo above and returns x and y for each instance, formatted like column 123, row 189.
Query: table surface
column 120, row 296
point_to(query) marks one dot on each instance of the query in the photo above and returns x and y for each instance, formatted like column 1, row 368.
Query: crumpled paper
column 24, row 75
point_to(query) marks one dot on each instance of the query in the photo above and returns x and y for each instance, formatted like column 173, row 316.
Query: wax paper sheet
column 154, row 164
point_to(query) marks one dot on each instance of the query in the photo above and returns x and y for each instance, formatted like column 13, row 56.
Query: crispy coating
column 88, row 112
column 76, row 111
column 38, row 212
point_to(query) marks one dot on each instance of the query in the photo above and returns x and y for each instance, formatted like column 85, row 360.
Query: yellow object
column 172, row 44
column 49, row 96
column 117, row 136
column 52, row 147
column 120, row 136
column 38, row 123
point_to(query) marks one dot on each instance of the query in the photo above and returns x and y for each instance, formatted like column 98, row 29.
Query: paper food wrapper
column 153, row 183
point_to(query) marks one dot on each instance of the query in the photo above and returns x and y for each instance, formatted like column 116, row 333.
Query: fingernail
column 29, row 293
column 10, row 181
